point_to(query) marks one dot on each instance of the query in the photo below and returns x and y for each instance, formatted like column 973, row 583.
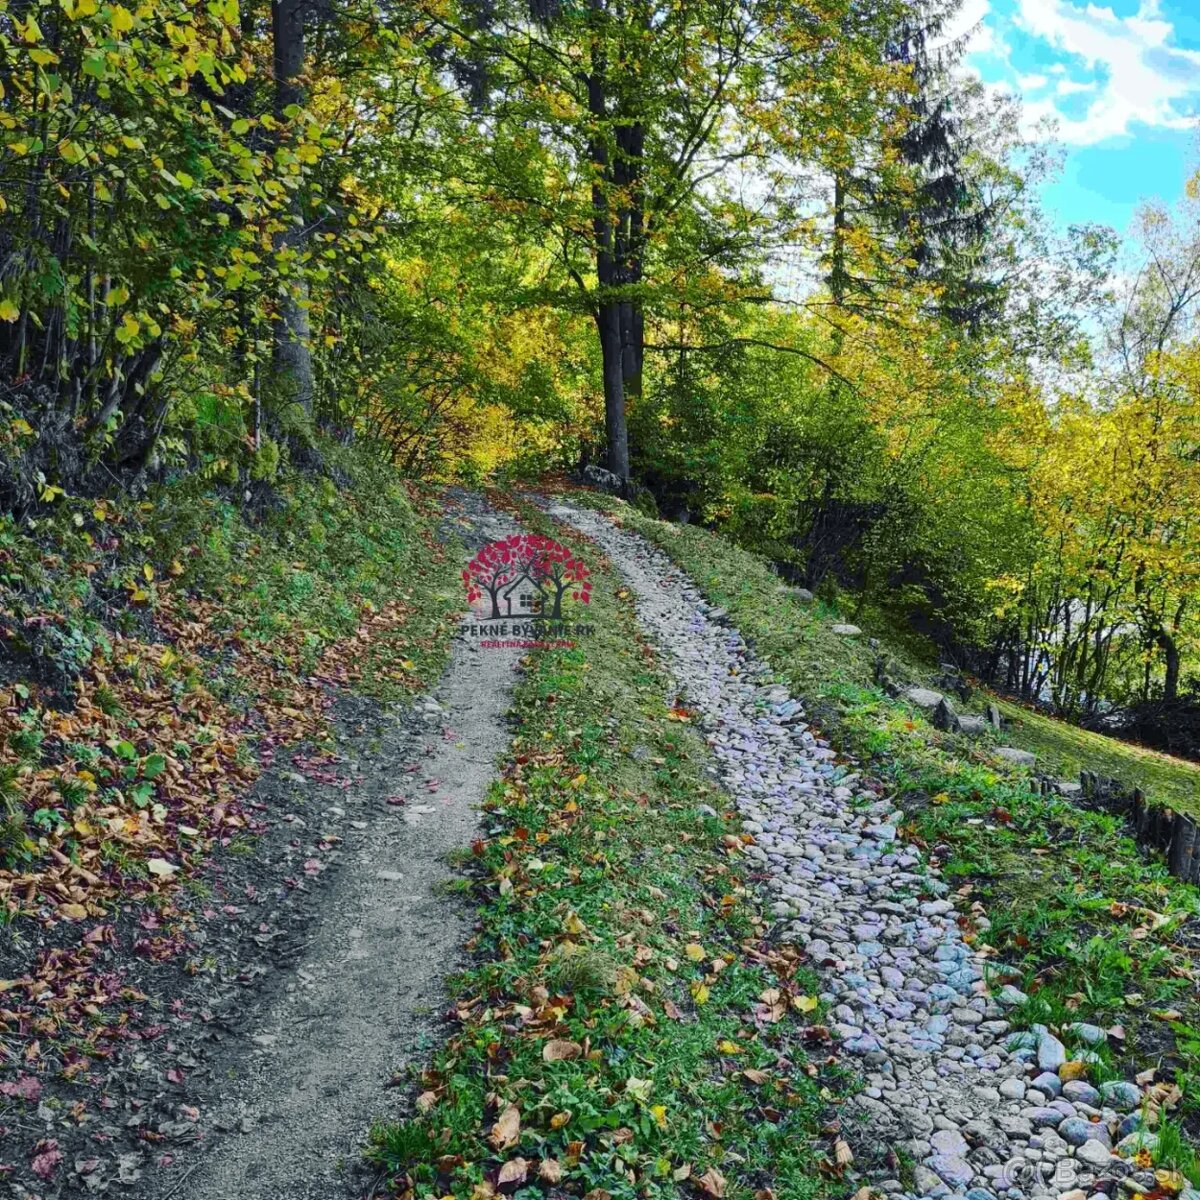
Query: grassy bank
column 1089, row 926
column 156, row 655
column 624, row 1027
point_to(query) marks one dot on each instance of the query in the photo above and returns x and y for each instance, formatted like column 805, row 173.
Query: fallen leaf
column 805, row 1004
column 550, row 1170
column 712, row 1182
column 561, row 1050
column 694, row 951
column 507, row 1129
column 513, row 1171
column 161, row 868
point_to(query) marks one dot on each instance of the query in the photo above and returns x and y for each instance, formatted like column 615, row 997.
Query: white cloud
column 970, row 22
column 1144, row 78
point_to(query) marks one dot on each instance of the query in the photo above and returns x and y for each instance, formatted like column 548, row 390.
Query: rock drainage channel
column 979, row 1107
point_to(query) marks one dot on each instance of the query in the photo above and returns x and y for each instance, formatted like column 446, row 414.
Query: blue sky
column 1122, row 80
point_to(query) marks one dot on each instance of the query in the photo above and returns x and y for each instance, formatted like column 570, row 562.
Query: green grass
column 1066, row 749
column 614, row 916
column 1092, row 928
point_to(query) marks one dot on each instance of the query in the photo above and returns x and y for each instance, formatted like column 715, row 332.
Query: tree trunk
column 608, row 307
column 608, row 321
column 292, row 358
column 1170, row 649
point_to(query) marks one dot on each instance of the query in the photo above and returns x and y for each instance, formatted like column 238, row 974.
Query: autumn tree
column 643, row 143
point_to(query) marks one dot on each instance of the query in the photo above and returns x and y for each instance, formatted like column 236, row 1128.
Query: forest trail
column 947, row 1077
column 364, row 997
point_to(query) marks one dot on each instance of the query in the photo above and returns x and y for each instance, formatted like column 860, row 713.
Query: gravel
column 909, row 995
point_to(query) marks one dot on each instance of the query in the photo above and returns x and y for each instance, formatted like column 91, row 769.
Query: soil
column 258, row 1056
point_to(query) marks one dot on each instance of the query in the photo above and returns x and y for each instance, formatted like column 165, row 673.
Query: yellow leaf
column 659, row 1113
column 22, row 426
column 122, row 19
column 805, row 1004
column 694, row 951
column 700, row 992
column 9, row 311
column 148, row 572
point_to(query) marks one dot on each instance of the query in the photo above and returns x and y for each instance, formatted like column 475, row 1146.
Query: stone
column 1048, row 1083
column 802, row 594
column 603, row 480
column 1121, row 1095
column 972, row 726
column 1075, row 1131
column 1013, row 1089
column 1094, row 1153
column 1079, row 1092
column 846, row 630
column 1018, row 758
column 953, row 1169
column 926, row 1182
column 1051, row 1053
column 1090, row 1035
column 950, row 1142
column 1010, row 996
column 1141, row 1139
column 923, row 697
column 1042, row 1118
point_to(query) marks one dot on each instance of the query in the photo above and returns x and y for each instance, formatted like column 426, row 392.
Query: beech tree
column 651, row 145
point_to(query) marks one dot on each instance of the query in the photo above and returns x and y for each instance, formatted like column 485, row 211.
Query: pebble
column 907, row 995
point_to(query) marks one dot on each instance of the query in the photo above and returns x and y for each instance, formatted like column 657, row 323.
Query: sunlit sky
column 1122, row 80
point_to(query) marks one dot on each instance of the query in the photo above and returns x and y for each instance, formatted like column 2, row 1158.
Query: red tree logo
column 526, row 575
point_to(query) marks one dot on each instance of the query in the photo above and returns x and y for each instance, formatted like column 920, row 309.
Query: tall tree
column 644, row 140
column 292, row 358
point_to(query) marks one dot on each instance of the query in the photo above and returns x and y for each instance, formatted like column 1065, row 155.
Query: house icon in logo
column 524, row 597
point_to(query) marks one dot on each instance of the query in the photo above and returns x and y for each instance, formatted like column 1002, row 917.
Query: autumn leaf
column 560, row 1050
column 712, row 1183
column 513, row 1171
column 550, row 1170
column 507, row 1130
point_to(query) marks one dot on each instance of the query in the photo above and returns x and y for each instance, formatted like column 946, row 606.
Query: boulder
column 1019, row 758
column 944, row 717
column 602, row 479
column 972, row 726
column 923, row 697
column 846, row 630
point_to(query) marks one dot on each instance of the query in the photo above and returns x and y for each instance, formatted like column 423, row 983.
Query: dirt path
column 305, row 1088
